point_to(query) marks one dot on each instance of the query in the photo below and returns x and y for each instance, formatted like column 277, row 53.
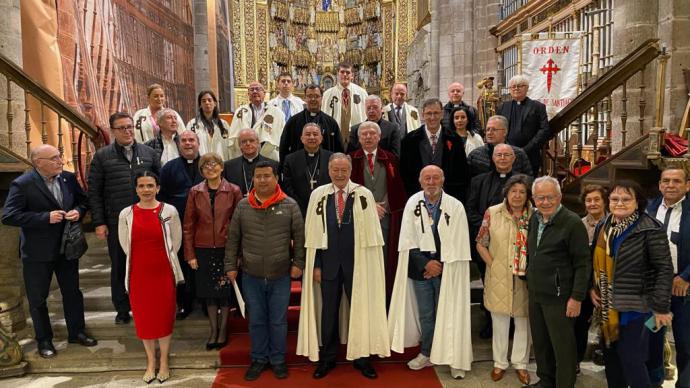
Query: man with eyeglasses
column 672, row 208
column 265, row 119
column 390, row 134
column 528, row 124
column 111, row 189
column 240, row 170
column 480, row 159
column 485, row 191
column 559, row 267
column 291, row 139
column 42, row 202
column 287, row 102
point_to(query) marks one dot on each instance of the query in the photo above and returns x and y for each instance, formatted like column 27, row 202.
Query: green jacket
column 559, row 267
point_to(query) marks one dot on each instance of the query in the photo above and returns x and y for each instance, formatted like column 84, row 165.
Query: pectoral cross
column 312, row 182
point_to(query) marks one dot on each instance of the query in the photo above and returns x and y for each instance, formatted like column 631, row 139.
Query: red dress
column 151, row 280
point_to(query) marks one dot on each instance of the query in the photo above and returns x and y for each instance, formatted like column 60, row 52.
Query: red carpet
column 344, row 376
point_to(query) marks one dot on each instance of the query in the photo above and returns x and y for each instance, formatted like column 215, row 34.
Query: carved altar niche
column 308, row 40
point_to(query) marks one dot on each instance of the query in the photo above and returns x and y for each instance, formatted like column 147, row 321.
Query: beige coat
column 504, row 293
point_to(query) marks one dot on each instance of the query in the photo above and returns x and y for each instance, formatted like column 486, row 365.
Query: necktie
column 370, row 159
column 341, row 205
column 345, row 114
column 128, row 154
column 398, row 110
column 54, row 187
column 667, row 217
column 286, row 109
column 433, row 143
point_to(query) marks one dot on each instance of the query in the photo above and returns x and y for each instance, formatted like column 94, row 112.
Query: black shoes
column 323, row 368
column 280, row 371
column 367, row 370
column 255, row 370
column 46, row 349
column 83, row 340
column 122, row 318
column 182, row 313
column 486, row 332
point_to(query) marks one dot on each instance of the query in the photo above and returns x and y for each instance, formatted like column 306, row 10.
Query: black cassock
column 292, row 132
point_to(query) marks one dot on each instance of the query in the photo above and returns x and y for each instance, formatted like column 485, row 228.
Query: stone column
column 11, row 47
column 434, row 72
column 202, row 77
column 673, row 27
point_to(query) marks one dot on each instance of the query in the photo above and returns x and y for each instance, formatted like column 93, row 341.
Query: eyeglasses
column 494, row 129
column 508, row 155
column 516, row 87
column 256, row 89
column 622, row 200
column 125, row 128
column 210, row 165
column 545, row 198
column 54, row 159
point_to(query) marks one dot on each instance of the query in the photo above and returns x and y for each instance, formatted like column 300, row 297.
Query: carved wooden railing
column 583, row 130
column 83, row 137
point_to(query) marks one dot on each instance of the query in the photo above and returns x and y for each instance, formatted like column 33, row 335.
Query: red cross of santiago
column 550, row 69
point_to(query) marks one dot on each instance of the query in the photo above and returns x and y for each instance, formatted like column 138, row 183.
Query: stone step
column 95, row 299
column 117, row 355
column 101, row 325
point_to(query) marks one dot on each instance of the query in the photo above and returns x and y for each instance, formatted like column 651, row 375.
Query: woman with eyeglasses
column 145, row 120
column 150, row 234
column 502, row 244
column 210, row 206
column 462, row 117
column 211, row 129
column 632, row 278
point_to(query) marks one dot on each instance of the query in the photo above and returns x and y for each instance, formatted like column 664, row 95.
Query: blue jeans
column 267, row 304
column 427, row 292
column 680, row 307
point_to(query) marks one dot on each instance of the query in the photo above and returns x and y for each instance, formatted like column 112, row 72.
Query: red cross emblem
column 550, row 69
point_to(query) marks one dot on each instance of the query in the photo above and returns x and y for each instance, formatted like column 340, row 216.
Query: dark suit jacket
column 232, row 171
column 454, row 162
column 531, row 132
column 486, row 190
column 295, row 181
column 390, row 138
column 175, row 184
column 28, row 206
column 341, row 242
column 682, row 238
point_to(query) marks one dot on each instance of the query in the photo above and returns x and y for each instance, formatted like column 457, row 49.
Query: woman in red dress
column 150, row 234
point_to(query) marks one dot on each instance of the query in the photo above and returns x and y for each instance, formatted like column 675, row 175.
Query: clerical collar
column 190, row 161
column 312, row 114
column 311, row 155
column 251, row 160
column 502, row 174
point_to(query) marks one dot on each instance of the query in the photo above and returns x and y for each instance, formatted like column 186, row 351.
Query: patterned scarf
column 520, row 258
column 603, row 263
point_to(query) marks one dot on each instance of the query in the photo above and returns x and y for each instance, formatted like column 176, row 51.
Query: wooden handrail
column 606, row 84
column 19, row 77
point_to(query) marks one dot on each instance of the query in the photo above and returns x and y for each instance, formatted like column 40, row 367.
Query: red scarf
column 278, row 196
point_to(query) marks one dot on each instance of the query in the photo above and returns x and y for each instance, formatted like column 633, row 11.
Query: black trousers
column 118, row 261
column 186, row 292
column 582, row 323
column 331, row 293
column 626, row 359
column 37, row 278
column 553, row 336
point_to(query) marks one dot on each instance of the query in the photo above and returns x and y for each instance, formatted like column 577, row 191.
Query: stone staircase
column 118, row 347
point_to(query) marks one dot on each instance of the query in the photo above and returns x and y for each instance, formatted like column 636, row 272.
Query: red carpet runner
column 392, row 371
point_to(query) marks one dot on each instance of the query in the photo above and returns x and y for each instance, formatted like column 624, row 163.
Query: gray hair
column 316, row 125
column 546, row 179
column 519, row 79
column 253, row 132
column 369, row 124
column 340, row 155
column 504, row 145
column 502, row 119
column 163, row 112
column 373, row 97
column 188, row 131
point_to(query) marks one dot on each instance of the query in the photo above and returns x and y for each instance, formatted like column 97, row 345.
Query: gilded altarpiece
column 307, row 38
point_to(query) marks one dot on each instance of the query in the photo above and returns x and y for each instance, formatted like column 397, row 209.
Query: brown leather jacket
column 201, row 229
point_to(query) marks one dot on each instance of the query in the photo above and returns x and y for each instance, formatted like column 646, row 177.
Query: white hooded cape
column 411, row 115
column 268, row 127
column 452, row 344
column 363, row 324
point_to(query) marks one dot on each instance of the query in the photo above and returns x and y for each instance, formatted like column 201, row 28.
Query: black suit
column 234, row 172
column 390, row 137
column 296, row 176
column 28, row 206
column 416, row 154
column 528, row 128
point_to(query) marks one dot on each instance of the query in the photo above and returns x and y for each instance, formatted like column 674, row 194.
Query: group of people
column 380, row 216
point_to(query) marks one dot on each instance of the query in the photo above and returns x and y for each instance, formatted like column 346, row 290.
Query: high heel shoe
column 149, row 377
column 212, row 345
column 163, row 377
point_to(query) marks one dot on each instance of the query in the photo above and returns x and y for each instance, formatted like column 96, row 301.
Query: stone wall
column 11, row 47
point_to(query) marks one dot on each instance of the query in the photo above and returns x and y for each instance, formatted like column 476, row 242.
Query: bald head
column 455, row 92
column 42, row 151
column 503, row 158
column 431, row 179
column 47, row 160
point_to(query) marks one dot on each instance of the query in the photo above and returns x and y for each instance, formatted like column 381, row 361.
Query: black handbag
column 73, row 241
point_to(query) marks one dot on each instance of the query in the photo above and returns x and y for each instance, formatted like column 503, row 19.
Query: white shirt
column 296, row 103
column 429, row 134
column 169, row 150
column 673, row 226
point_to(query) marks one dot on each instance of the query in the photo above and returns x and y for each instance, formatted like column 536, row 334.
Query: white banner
column 551, row 65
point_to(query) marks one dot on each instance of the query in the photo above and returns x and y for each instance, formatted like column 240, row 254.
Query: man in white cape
column 400, row 112
column 344, row 252
column 444, row 333
column 266, row 120
column 345, row 101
